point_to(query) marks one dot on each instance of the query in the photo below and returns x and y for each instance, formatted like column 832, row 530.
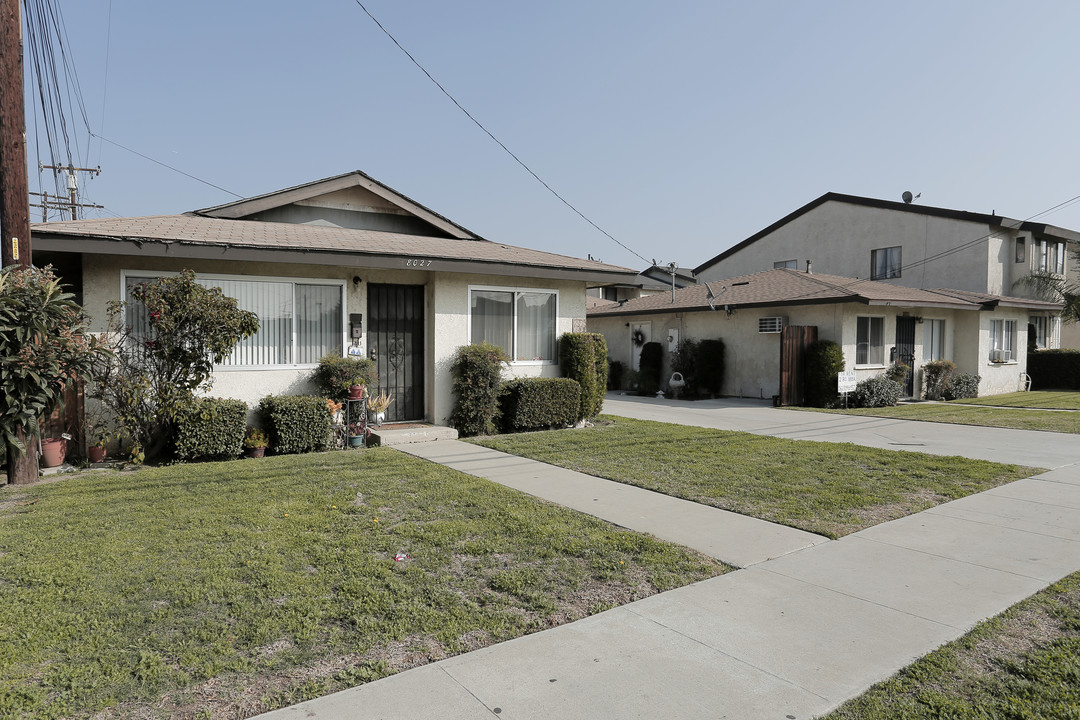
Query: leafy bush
column 650, row 365
column 44, row 349
column 615, row 375
column 962, row 385
column 877, row 391
column 898, row 372
column 336, row 373
column 935, row 378
column 709, row 366
column 684, row 361
column 583, row 358
column 160, row 366
column 539, row 403
column 1054, row 369
column 296, row 423
column 211, row 429
column 824, row 361
column 476, row 372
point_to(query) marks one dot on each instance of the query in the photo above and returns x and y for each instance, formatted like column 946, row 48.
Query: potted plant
column 54, row 451
column 377, row 405
column 256, row 442
column 96, row 433
column 356, row 435
column 341, row 378
column 335, row 411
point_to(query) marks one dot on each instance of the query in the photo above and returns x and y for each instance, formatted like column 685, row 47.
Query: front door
column 794, row 339
column 395, row 340
column 905, row 349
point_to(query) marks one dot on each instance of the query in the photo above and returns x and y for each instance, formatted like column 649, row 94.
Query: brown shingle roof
column 792, row 287
column 205, row 231
column 1003, row 300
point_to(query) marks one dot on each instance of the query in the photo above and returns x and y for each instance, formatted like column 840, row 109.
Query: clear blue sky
column 681, row 128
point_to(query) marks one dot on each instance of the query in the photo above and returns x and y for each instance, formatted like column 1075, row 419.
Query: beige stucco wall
column 752, row 359
column 446, row 317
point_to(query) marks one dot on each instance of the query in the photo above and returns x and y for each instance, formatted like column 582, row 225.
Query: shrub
column 684, row 361
column 962, row 385
column 652, row 358
column 898, row 372
column 935, row 377
column 296, row 423
column 709, row 365
column 476, row 373
column 615, row 375
column 877, row 392
column 583, row 358
column 211, row 429
column 336, row 373
column 44, row 349
column 824, row 361
column 539, row 403
column 160, row 366
column 1054, row 369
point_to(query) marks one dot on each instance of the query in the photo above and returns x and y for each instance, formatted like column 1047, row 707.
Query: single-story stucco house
column 759, row 315
column 346, row 265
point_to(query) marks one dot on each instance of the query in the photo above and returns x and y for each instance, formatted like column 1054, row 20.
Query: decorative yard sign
column 845, row 382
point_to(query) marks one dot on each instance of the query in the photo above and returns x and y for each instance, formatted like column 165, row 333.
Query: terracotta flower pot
column 53, row 452
column 95, row 453
column 256, row 452
column 356, row 392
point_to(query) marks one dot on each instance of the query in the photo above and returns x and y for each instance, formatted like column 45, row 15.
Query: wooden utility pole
column 14, row 193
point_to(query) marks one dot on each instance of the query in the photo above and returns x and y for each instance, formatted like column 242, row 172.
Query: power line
column 492, row 136
column 164, row 165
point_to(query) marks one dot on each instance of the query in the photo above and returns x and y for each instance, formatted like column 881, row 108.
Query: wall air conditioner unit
column 771, row 324
column 1001, row 356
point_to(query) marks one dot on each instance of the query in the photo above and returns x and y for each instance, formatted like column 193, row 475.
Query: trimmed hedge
column 477, row 374
column 615, row 375
column 962, row 385
column 824, row 361
column 650, row 365
column 684, row 361
column 296, row 423
column 1054, row 369
column 583, row 358
column 936, row 376
column 211, row 429
column 877, row 391
column 539, row 403
column 709, row 365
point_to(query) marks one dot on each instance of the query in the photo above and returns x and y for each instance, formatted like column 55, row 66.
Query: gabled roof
column 792, row 287
column 247, row 207
column 184, row 236
column 980, row 218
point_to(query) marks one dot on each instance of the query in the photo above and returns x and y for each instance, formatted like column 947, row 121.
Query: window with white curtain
column 885, row 263
column 299, row 321
column 1046, row 331
column 870, row 341
column 520, row 321
column 933, row 340
column 1051, row 257
column 1002, row 341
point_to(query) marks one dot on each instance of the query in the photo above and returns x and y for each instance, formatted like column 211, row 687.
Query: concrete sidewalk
column 1022, row 447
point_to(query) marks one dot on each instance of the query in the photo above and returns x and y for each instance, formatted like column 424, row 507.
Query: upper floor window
column 789, row 264
column 1021, row 249
column 299, row 321
column 520, row 321
column 870, row 341
column 885, row 263
column 1051, row 257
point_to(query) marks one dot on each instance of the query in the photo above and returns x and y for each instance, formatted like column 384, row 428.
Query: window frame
column 1049, row 332
column 869, row 334
column 1050, row 257
column 516, row 290
column 928, row 333
column 1000, row 336
column 786, row 264
column 899, row 266
column 294, row 281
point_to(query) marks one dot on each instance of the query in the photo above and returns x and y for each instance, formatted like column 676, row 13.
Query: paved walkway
column 806, row 626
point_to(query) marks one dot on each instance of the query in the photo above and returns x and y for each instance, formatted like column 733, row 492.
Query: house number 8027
column 417, row 263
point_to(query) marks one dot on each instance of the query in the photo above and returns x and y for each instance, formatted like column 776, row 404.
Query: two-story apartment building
column 913, row 245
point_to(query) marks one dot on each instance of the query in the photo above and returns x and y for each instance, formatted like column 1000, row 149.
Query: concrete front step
column 391, row 435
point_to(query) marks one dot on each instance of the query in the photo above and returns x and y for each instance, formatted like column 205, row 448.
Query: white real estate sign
column 845, row 382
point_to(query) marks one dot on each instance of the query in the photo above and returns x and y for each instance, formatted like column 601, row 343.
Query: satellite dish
column 907, row 196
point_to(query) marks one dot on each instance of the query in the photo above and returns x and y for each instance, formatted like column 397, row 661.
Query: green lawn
column 1022, row 664
column 1017, row 418
column 1046, row 399
column 827, row 488
column 227, row 589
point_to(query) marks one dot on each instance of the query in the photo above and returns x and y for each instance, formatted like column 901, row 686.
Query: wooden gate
column 794, row 339
column 905, row 349
column 395, row 339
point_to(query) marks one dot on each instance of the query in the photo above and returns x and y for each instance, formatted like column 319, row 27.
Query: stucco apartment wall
column 838, row 237
column 446, row 317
